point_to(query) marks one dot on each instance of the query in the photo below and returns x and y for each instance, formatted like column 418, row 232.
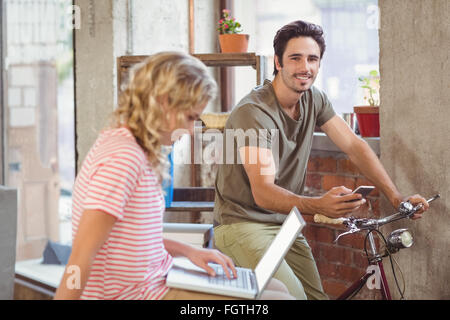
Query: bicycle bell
column 406, row 208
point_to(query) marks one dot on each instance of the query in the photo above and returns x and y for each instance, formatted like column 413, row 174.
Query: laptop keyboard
column 240, row 282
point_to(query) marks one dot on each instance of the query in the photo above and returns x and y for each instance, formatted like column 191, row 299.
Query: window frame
column 64, row 15
column 2, row 100
column 75, row 127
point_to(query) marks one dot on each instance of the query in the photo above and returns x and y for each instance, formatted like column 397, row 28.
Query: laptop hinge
column 254, row 284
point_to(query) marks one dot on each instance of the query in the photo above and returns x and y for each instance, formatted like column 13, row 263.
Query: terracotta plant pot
column 368, row 120
column 233, row 42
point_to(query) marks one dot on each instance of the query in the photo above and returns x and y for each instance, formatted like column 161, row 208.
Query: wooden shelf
column 228, row 59
column 209, row 59
column 257, row 62
column 251, row 59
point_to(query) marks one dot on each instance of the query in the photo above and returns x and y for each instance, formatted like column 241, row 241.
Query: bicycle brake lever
column 416, row 208
column 345, row 233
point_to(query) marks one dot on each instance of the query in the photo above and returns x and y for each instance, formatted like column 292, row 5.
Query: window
column 351, row 36
column 38, row 126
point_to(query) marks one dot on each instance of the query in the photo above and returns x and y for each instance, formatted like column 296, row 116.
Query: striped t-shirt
column 116, row 178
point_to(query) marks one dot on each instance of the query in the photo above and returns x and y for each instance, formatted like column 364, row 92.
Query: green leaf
column 373, row 73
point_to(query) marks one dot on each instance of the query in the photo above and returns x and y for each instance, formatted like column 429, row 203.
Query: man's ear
column 278, row 65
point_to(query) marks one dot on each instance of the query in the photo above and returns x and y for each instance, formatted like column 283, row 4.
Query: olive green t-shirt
column 265, row 124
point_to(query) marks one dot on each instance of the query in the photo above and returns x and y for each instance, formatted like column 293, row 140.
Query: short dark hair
column 296, row 29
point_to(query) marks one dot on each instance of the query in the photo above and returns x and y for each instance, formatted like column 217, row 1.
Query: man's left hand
column 416, row 200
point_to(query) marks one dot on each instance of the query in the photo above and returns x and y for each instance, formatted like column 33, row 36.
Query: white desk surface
column 48, row 274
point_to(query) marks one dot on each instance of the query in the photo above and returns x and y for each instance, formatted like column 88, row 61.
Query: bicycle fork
column 358, row 284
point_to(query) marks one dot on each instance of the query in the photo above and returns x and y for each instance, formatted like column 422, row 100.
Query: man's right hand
column 334, row 203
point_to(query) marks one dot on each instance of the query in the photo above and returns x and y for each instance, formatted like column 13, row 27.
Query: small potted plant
column 368, row 115
column 230, row 38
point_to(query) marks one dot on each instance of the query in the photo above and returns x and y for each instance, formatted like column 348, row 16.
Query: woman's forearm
column 74, row 279
column 93, row 230
column 176, row 248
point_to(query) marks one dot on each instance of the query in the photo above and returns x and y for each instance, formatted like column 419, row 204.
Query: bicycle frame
column 358, row 284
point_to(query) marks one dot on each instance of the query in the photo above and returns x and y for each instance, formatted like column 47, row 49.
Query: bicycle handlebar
column 319, row 218
column 406, row 210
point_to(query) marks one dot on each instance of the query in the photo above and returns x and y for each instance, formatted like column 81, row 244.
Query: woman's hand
column 201, row 258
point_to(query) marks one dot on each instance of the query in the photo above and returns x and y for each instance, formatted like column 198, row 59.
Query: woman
column 118, row 251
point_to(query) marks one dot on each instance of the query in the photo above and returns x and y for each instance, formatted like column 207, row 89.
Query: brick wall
column 339, row 264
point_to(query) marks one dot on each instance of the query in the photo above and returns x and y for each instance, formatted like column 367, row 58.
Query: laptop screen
column 272, row 258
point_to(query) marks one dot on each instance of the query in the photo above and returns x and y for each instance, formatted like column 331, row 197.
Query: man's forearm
column 275, row 198
column 370, row 166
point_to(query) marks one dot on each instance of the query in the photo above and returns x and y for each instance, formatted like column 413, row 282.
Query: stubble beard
column 289, row 81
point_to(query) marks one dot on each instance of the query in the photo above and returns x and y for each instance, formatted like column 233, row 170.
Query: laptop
column 249, row 284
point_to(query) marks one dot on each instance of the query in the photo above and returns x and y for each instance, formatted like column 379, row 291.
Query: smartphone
column 363, row 190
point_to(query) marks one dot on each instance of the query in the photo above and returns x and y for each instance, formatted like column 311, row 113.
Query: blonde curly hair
column 180, row 79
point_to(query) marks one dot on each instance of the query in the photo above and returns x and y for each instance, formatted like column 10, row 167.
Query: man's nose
column 303, row 66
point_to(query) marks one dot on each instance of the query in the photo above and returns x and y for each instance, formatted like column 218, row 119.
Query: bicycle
column 397, row 239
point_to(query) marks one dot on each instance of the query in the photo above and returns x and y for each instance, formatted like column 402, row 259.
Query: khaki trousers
column 246, row 243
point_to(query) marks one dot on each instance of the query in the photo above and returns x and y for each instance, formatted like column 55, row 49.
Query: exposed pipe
column 130, row 39
column 191, row 27
column 2, row 105
column 226, row 74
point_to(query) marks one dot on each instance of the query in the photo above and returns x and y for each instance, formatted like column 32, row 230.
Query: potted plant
column 230, row 38
column 368, row 116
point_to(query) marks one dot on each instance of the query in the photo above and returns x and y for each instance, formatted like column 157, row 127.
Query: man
column 253, row 198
